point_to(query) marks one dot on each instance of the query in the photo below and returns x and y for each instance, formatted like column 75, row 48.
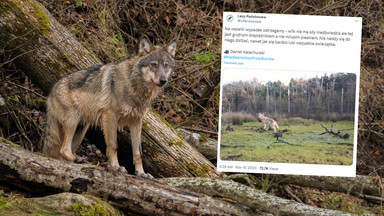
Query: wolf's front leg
column 109, row 124
column 135, row 129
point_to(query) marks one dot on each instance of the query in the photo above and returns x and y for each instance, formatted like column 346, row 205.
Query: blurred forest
column 317, row 98
column 111, row 29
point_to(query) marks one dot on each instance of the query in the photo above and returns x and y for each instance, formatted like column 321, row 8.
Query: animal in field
column 280, row 133
column 229, row 128
column 268, row 122
column 108, row 96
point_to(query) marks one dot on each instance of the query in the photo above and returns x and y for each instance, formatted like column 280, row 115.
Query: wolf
column 268, row 121
column 109, row 96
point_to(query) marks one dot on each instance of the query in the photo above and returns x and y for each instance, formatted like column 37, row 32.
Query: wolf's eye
column 154, row 64
column 166, row 65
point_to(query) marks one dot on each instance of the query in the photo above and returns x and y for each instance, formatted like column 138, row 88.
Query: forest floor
column 23, row 97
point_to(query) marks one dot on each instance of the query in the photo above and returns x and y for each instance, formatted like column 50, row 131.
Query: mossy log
column 358, row 186
column 45, row 51
column 24, row 169
column 39, row 45
column 247, row 196
column 204, row 144
column 68, row 204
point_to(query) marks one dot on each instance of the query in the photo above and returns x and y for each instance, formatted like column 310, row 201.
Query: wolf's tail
column 52, row 138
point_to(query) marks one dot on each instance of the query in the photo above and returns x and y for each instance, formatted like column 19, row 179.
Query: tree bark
column 247, row 196
column 44, row 50
column 358, row 186
column 22, row 168
column 205, row 145
column 39, row 45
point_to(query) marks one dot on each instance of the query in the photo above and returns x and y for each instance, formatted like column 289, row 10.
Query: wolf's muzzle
column 163, row 81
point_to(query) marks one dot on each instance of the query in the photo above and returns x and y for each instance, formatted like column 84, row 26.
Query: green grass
column 313, row 149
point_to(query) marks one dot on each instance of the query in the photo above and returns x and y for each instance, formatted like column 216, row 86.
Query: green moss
column 337, row 201
column 204, row 58
column 89, row 49
column 145, row 126
column 203, row 138
column 62, row 63
column 9, row 142
column 40, row 19
column 171, row 143
column 5, row 202
column 118, row 45
column 199, row 172
column 179, row 143
column 15, row 205
column 26, row 21
column 43, row 20
column 101, row 208
column 64, row 57
column 38, row 104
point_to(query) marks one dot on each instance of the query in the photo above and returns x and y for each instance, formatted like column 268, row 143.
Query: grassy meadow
column 309, row 147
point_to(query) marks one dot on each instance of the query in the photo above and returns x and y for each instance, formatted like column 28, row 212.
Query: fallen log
column 204, row 144
column 367, row 187
column 330, row 131
column 24, row 169
column 245, row 195
column 358, row 186
column 285, row 142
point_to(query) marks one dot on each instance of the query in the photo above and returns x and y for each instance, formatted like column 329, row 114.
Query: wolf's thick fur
column 109, row 96
column 268, row 121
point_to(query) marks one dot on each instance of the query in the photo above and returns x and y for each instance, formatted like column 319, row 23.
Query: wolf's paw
column 145, row 175
column 122, row 169
column 80, row 159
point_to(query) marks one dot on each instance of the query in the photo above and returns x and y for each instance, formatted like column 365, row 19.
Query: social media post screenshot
column 289, row 94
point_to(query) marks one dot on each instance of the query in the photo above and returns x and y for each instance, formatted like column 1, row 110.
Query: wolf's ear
column 144, row 46
column 171, row 48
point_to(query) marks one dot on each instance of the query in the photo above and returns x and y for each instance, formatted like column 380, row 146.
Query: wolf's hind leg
column 79, row 135
column 76, row 141
column 135, row 129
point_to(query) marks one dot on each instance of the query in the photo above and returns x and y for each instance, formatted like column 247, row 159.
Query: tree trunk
column 43, row 49
column 205, row 145
column 22, row 168
column 39, row 45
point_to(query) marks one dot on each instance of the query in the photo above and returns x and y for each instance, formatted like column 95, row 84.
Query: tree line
column 329, row 97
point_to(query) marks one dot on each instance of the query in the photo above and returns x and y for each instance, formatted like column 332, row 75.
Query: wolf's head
column 260, row 116
column 156, row 63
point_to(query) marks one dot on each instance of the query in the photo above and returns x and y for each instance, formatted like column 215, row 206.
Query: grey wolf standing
column 109, row 96
column 268, row 121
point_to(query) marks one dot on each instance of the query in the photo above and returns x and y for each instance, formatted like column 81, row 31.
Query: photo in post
column 289, row 94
